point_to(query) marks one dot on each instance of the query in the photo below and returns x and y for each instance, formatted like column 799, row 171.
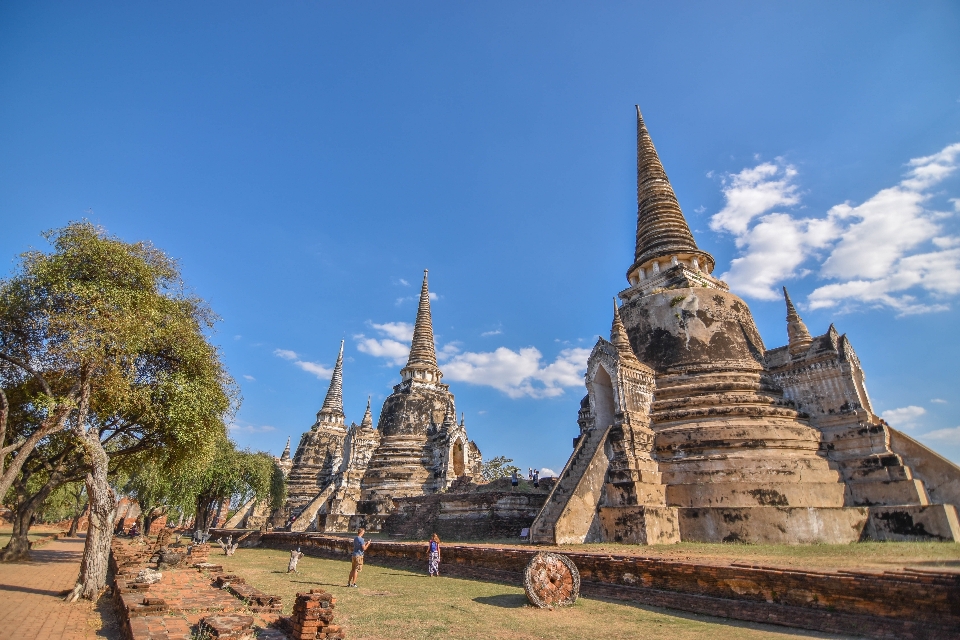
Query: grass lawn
column 404, row 605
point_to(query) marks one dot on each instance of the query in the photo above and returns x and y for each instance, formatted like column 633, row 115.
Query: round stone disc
column 551, row 580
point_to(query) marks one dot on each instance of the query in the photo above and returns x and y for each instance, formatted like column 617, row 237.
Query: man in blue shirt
column 356, row 564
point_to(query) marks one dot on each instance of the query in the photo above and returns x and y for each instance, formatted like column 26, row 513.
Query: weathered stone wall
column 896, row 604
column 464, row 516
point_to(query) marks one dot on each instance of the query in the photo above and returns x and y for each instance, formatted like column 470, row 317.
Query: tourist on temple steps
column 356, row 563
column 433, row 556
column 514, row 479
column 536, row 479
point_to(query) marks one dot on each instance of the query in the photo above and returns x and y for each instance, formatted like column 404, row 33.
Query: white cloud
column 938, row 401
column 548, row 473
column 942, row 436
column 890, row 251
column 237, row 337
column 315, row 368
column 248, row 377
column 520, row 373
column 487, row 334
column 904, row 417
column 393, row 351
column 402, row 331
column 404, row 282
column 752, row 192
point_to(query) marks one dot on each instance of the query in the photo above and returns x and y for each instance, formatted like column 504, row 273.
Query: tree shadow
column 40, row 592
column 504, row 600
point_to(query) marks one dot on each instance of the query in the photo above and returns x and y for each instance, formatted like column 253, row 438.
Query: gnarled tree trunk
column 18, row 548
column 103, row 509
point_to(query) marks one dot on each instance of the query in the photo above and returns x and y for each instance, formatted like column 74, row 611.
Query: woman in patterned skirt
column 433, row 556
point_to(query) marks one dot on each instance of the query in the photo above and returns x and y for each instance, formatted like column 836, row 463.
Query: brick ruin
column 172, row 593
column 692, row 430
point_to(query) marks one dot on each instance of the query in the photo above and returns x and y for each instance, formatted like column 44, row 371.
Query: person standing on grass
column 433, row 556
column 356, row 561
column 514, row 480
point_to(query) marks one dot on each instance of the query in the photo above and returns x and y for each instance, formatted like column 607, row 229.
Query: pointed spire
column 367, row 421
column 618, row 336
column 799, row 338
column 463, row 419
column 333, row 403
column 286, row 451
column 423, row 352
column 662, row 230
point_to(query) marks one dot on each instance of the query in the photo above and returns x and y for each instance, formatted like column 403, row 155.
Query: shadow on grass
column 504, row 601
column 727, row 622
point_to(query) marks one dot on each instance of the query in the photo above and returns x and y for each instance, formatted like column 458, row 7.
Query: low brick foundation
column 186, row 598
column 908, row 604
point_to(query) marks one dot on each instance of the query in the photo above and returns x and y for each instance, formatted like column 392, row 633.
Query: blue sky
column 306, row 161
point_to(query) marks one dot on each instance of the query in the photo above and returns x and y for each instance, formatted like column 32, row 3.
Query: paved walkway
column 31, row 604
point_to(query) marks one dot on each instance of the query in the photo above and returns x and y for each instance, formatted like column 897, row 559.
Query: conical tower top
column 367, row 421
column 332, row 409
column 799, row 336
column 662, row 231
column 422, row 363
column 286, row 451
column 618, row 336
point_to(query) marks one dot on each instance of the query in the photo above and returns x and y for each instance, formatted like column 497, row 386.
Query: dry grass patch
column 404, row 605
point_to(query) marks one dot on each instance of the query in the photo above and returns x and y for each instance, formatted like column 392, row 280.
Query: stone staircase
column 570, row 513
column 305, row 519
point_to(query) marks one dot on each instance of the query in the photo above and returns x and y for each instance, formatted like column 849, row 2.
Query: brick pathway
column 31, row 606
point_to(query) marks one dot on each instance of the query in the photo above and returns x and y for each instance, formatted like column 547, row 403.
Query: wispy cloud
column 315, row 368
column 520, row 373
column 404, row 282
column 249, row 428
column 938, row 401
column 906, row 418
column 890, row 251
column 487, row 334
column 949, row 436
column 397, row 330
column 395, row 347
column 249, row 377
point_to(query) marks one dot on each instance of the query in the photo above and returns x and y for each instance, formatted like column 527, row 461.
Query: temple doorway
column 459, row 468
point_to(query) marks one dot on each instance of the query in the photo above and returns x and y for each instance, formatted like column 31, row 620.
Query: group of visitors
column 533, row 475
column 360, row 546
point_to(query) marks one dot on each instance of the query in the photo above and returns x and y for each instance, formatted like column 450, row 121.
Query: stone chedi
column 692, row 430
column 422, row 449
column 320, row 452
column 344, row 477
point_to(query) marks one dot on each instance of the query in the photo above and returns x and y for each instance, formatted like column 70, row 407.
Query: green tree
column 498, row 467
column 238, row 476
column 120, row 352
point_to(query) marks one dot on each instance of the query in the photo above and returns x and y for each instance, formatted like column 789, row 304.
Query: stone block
column 935, row 522
column 895, row 492
column 773, row 525
column 640, row 524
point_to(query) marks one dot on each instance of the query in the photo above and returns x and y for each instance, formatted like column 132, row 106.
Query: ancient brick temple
column 692, row 430
column 342, row 477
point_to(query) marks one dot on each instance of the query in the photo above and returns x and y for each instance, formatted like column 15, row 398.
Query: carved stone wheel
column 551, row 580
